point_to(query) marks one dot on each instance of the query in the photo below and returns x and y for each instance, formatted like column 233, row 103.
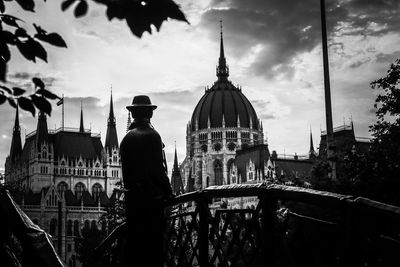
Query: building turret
column 176, row 179
column 111, row 136
column 311, row 153
column 129, row 122
column 41, row 130
column 81, row 128
column 16, row 145
column 111, row 151
column 222, row 68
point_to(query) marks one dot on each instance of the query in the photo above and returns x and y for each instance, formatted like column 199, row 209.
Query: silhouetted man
column 145, row 178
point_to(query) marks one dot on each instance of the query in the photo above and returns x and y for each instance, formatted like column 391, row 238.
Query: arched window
column 79, row 188
column 96, row 189
column 207, row 181
column 76, row 228
column 53, row 226
column 62, row 187
column 218, row 172
column 69, row 228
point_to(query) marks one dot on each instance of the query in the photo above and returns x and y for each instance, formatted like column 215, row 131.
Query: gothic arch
column 218, row 174
column 62, row 187
column 229, row 165
column 96, row 190
column 79, row 188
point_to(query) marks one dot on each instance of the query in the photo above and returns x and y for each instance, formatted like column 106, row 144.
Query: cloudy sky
column 273, row 48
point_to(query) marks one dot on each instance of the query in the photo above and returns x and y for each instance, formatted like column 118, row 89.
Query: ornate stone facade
column 67, row 177
column 222, row 122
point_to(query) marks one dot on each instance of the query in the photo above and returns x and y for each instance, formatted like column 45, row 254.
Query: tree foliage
column 138, row 14
column 115, row 214
column 375, row 174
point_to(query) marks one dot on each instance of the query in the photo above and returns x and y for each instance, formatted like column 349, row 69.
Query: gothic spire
column 111, row 118
column 81, row 128
column 111, row 136
column 129, row 122
column 41, row 129
column 222, row 68
column 16, row 146
column 312, row 151
column 176, row 179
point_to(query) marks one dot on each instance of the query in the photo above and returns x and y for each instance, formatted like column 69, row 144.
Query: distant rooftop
column 339, row 128
column 65, row 129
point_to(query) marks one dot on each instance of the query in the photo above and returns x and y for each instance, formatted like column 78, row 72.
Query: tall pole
column 327, row 87
column 328, row 104
column 62, row 118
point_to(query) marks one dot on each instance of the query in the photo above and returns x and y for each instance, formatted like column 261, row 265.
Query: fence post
column 202, row 205
column 269, row 206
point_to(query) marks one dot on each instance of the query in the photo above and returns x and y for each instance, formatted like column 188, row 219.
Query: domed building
column 222, row 122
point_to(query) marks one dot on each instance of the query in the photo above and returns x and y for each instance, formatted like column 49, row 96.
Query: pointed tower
column 42, row 164
column 129, row 122
column 111, row 136
column 176, row 179
column 312, row 154
column 16, row 145
column 222, row 68
column 81, row 128
column 41, row 130
column 111, row 151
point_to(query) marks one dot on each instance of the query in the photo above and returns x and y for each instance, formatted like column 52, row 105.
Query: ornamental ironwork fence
column 276, row 225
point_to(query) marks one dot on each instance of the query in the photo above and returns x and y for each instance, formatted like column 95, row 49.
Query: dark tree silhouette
column 138, row 14
column 374, row 174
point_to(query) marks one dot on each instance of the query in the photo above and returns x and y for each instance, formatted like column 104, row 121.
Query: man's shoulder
column 141, row 133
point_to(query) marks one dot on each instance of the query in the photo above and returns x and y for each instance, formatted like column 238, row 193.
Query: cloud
column 264, row 110
column 20, row 75
column 384, row 58
column 286, row 28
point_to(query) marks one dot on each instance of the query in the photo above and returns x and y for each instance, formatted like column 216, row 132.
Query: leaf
column 52, row 38
column 66, row 4
column 26, row 50
column 28, row 5
column 11, row 101
column 42, row 104
column 26, row 104
column 39, row 29
column 9, row 20
column 4, row 52
column 38, row 83
column 18, row 91
column 32, row 49
column 140, row 15
column 3, row 69
column 2, row 7
column 8, row 90
column 47, row 94
column 3, row 99
column 81, row 9
column 20, row 32
column 7, row 37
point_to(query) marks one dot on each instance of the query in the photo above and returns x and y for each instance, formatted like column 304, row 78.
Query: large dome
column 224, row 100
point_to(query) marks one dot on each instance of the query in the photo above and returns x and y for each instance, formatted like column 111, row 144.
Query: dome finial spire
column 222, row 68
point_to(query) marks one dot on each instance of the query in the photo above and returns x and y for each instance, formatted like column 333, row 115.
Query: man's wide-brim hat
column 141, row 101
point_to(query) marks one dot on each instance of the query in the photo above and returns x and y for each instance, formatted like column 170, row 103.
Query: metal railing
column 288, row 226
